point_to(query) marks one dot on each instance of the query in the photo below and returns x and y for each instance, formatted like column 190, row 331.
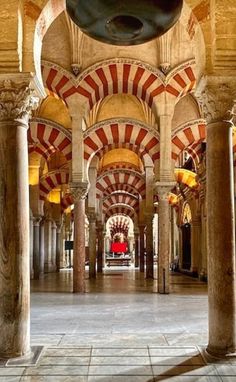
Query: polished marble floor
column 120, row 330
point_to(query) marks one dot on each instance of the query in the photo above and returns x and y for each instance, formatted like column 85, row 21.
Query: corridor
column 120, row 330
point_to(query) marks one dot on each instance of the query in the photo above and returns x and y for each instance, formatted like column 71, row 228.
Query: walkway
column 121, row 330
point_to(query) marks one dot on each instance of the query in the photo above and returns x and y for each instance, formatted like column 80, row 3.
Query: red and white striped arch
column 181, row 80
column 118, row 76
column 46, row 137
column 66, row 201
column 123, row 187
column 120, row 209
column 121, row 199
column 118, row 133
column 193, row 132
column 127, row 178
column 52, row 180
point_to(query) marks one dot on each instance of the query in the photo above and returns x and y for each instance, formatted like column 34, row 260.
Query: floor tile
column 187, row 360
column 67, row 352
column 120, row 370
column 173, row 351
column 106, row 352
column 125, row 360
column 188, row 379
column 226, row 370
column 120, row 378
column 54, row 379
column 70, row 361
column 57, row 370
column 11, row 371
column 184, row 370
column 10, row 379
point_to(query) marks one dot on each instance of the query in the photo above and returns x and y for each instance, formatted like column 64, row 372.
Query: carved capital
column 216, row 98
column 37, row 220
column 18, row 98
column 79, row 190
column 163, row 190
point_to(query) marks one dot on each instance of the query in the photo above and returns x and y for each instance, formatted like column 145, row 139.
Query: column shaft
column 41, row 248
column 220, row 239
column 149, row 248
column 14, row 241
column 164, row 244
column 136, row 259
column 36, row 248
column 141, row 236
column 92, row 247
column 58, row 249
column 100, row 250
column 79, row 247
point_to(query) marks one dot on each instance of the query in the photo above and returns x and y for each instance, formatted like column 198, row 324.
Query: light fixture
column 124, row 22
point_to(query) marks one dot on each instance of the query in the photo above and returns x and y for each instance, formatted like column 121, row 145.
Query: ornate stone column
column 100, row 248
column 48, row 265
column 36, row 247
column 220, row 239
column 141, row 238
column 79, row 191
column 164, row 237
column 58, row 247
column 195, row 244
column 31, row 245
column 92, row 245
column 149, row 247
column 54, row 245
column 136, row 258
column 15, row 105
column 41, row 257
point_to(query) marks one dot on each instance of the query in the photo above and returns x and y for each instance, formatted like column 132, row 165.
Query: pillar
column 58, row 247
column 54, row 245
column 195, row 245
column 136, row 258
column 100, row 248
column 31, row 245
column 36, row 247
column 141, row 258
column 41, row 257
column 164, row 239
column 15, row 103
column 92, row 246
column 79, row 191
column 48, row 265
column 149, row 247
column 220, row 239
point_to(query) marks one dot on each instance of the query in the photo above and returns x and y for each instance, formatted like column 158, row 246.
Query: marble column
column 164, row 239
column 92, row 246
column 54, row 245
column 141, row 238
column 31, row 245
column 195, row 245
column 136, row 258
column 149, row 247
column 48, row 265
column 220, row 239
column 58, row 248
column 15, row 103
column 41, row 265
column 100, row 248
column 36, row 247
column 79, row 192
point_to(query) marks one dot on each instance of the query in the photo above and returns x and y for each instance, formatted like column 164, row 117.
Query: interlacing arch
column 46, row 137
column 52, row 180
column 125, row 188
column 121, row 133
column 193, row 132
column 119, row 76
column 123, row 177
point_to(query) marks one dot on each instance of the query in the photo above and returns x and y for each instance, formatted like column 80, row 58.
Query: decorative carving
column 79, row 190
column 17, row 100
column 216, row 98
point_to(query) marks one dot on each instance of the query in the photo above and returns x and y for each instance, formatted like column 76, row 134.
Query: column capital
column 216, row 97
column 79, row 190
column 163, row 189
column 19, row 96
column 37, row 220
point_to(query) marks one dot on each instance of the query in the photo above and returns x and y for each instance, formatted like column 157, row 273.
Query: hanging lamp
column 124, row 22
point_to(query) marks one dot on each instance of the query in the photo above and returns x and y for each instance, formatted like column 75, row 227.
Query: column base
column 49, row 268
column 212, row 353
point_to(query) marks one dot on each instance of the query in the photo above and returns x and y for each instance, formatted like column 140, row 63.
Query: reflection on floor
column 121, row 330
